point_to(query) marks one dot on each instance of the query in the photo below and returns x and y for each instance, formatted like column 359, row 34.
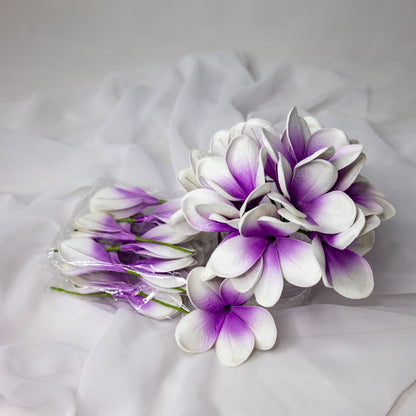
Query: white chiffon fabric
column 61, row 355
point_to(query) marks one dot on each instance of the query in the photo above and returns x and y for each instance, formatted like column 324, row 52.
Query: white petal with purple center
column 345, row 238
column 165, row 233
column 259, row 192
column 261, row 324
column 235, row 256
column 298, row 263
column 197, row 199
column 333, row 212
column 83, row 251
column 350, row 275
column 198, row 331
column 213, row 172
column 346, row 155
column 231, row 296
column 276, row 228
column 312, row 180
column 204, row 295
column 246, row 282
column 274, row 196
column 235, row 342
column 269, row 288
column 97, row 221
column 325, row 153
column 242, row 158
column 325, row 138
column 249, row 225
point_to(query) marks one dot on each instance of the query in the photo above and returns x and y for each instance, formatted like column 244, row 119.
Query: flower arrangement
column 290, row 207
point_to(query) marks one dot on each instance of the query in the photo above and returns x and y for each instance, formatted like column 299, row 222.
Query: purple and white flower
column 143, row 298
column 222, row 319
column 121, row 202
column 260, row 257
column 82, row 255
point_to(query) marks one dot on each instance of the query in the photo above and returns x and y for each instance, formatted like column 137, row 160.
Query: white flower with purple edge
column 261, row 256
column 222, row 319
column 121, row 202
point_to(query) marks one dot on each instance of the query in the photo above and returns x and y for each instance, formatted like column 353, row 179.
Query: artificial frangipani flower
column 290, row 207
column 140, row 259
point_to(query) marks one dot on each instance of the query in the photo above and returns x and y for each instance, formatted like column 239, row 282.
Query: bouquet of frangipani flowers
column 290, row 207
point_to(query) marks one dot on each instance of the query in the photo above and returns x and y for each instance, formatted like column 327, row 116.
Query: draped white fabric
column 64, row 355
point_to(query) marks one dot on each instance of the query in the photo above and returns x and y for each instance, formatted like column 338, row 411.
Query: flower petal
column 371, row 223
column 333, row 212
column 296, row 134
column 243, row 161
column 213, row 172
column 179, row 224
column 260, row 323
column 198, row 331
column 165, row 233
column 363, row 244
column 349, row 174
column 219, row 143
column 236, row 255
column 164, row 212
column 325, row 153
column 388, row 209
column 346, row 155
column 231, row 296
column 198, row 218
column 269, row 288
column 325, row 138
column 245, row 282
column 249, row 225
column 257, row 193
column 97, row 221
column 275, row 228
column 204, row 295
column 121, row 202
column 274, row 196
column 83, row 251
column 349, row 274
column 145, row 306
column 345, row 238
column 319, row 254
column 312, row 180
column 235, row 342
column 284, row 175
column 298, row 263
column 188, row 180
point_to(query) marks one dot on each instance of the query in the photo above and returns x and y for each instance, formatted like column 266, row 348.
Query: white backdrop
column 61, row 355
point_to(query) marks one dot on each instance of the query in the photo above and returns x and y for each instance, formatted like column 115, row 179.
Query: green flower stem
column 70, row 292
column 143, row 295
column 129, row 220
column 109, row 295
column 147, row 240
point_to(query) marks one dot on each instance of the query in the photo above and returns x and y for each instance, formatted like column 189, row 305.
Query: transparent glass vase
column 293, row 296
